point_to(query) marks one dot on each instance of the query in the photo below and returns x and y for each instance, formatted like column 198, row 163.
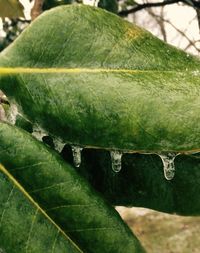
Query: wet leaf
column 46, row 203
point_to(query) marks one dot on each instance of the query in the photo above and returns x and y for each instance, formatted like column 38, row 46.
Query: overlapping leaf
column 48, row 204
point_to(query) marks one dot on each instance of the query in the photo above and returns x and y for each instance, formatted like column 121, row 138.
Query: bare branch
column 198, row 18
column 191, row 43
column 160, row 21
column 37, row 9
column 137, row 7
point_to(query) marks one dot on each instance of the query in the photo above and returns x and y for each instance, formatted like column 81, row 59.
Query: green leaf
column 92, row 79
column 11, row 9
column 24, row 226
column 49, row 197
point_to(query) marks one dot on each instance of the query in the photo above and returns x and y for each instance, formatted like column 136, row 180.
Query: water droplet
column 116, row 159
column 58, row 144
column 12, row 114
column 76, row 151
column 168, row 165
column 38, row 132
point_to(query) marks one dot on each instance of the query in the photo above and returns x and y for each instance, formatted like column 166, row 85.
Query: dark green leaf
column 56, row 188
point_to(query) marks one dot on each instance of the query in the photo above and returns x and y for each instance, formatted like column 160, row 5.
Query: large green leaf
column 55, row 205
column 90, row 78
column 24, row 226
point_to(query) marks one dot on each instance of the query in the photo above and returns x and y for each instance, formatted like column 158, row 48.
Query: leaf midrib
column 16, row 70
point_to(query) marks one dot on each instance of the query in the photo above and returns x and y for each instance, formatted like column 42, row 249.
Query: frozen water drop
column 168, row 165
column 38, row 132
column 12, row 114
column 58, row 144
column 116, row 159
column 76, row 151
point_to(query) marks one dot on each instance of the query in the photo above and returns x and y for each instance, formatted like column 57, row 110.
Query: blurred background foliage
column 176, row 22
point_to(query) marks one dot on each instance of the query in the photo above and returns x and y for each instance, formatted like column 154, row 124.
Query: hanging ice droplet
column 76, row 151
column 168, row 165
column 116, row 159
column 59, row 145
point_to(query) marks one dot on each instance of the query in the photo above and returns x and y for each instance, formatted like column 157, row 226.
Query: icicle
column 76, row 151
column 12, row 114
column 168, row 165
column 59, row 145
column 116, row 159
column 38, row 132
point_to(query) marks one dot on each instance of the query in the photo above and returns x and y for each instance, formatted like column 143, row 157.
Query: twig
column 198, row 18
column 192, row 43
column 138, row 7
column 160, row 21
column 37, row 9
column 23, row 20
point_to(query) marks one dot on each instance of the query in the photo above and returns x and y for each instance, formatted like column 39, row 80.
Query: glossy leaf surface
column 99, row 81
column 69, row 203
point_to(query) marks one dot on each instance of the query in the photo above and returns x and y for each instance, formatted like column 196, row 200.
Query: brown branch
column 198, row 18
column 192, row 43
column 138, row 7
column 37, row 9
column 160, row 21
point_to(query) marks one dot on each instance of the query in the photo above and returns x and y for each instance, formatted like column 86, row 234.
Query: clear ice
column 38, row 132
column 59, row 145
column 116, row 159
column 76, row 151
column 168, row 165
column 12, row 114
